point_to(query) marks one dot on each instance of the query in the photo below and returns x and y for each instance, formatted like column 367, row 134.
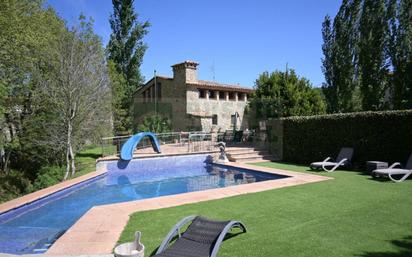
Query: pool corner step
column 40, row 250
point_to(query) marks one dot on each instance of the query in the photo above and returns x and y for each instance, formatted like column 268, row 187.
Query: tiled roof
column 150, row 81
column 218, row 86
column 203, row 84
column 162, row 77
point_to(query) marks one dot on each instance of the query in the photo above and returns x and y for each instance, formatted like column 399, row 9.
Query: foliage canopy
column 282, row 94
column 367, row 59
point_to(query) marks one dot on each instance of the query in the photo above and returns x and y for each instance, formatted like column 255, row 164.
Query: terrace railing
column 201, row 142
column 182, row 142
column 238, row 137
column 179, row 142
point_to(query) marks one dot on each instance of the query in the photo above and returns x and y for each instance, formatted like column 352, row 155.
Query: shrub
column 13, row 184
column 48, row 176
column 156, row 124
column 385, row 136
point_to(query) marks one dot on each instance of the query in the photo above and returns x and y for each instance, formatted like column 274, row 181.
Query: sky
column 232, row 40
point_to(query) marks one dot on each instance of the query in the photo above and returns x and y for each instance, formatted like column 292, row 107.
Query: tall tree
column 400, row 51
column 74, row 100
column 282, row 94
column 28, row 38
column 372, row 48
column 329, row 88
column 373, row 66
column 340, row 54
column 121, row 118
column 126, row 50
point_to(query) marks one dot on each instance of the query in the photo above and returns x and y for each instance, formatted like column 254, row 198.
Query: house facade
column 192, row 104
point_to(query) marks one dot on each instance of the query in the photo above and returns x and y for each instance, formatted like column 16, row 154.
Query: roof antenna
column 212, row 69
column 287, row 69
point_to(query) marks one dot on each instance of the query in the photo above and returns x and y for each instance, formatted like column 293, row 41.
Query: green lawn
column 86, row 160
column 351, row 215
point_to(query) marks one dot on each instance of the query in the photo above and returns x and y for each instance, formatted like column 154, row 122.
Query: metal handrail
column 194, row 140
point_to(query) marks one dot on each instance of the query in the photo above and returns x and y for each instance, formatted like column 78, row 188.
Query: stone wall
column 205, row 108
column 171, row 104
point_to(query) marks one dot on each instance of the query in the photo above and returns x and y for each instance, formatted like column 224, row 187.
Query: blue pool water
column 34, row 227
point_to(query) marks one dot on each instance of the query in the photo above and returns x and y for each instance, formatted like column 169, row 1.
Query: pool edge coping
column 99, row 229
column 42, row 193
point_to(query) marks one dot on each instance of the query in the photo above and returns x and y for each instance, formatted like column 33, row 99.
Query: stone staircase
column 248, row 154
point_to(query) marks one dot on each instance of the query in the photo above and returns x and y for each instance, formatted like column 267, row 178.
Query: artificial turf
column 351, row 215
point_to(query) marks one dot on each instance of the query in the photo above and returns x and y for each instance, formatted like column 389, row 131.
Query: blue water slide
column 127, row 150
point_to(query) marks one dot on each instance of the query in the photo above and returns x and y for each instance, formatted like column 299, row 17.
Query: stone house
column 192, row 104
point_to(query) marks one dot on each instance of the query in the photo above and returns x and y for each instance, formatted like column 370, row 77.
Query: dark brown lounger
column 202, row 238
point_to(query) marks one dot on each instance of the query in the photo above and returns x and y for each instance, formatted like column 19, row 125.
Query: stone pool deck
column 98, row 230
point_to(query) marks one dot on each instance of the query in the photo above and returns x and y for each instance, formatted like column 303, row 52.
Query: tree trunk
column 67, row 165
column 6, row 162
column 73, row 167
column 68, row 150
column 2, row 159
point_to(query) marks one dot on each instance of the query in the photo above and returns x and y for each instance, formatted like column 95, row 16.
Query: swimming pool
column 34, row 227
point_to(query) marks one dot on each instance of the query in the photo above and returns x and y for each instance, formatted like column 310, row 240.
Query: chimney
column 185, row 71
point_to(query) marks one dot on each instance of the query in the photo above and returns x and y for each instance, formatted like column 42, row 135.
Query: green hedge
column 385, row 136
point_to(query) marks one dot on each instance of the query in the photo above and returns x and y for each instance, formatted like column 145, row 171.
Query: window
column 144, row 97
column 212, row 94
column 245, row 97
column 233, row 119
column 202, row 93
column 222, row 95
column 232, row 96
column 214, row 119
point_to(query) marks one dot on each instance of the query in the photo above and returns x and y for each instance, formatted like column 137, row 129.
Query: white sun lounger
column 344, row 158
column 392, row 171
